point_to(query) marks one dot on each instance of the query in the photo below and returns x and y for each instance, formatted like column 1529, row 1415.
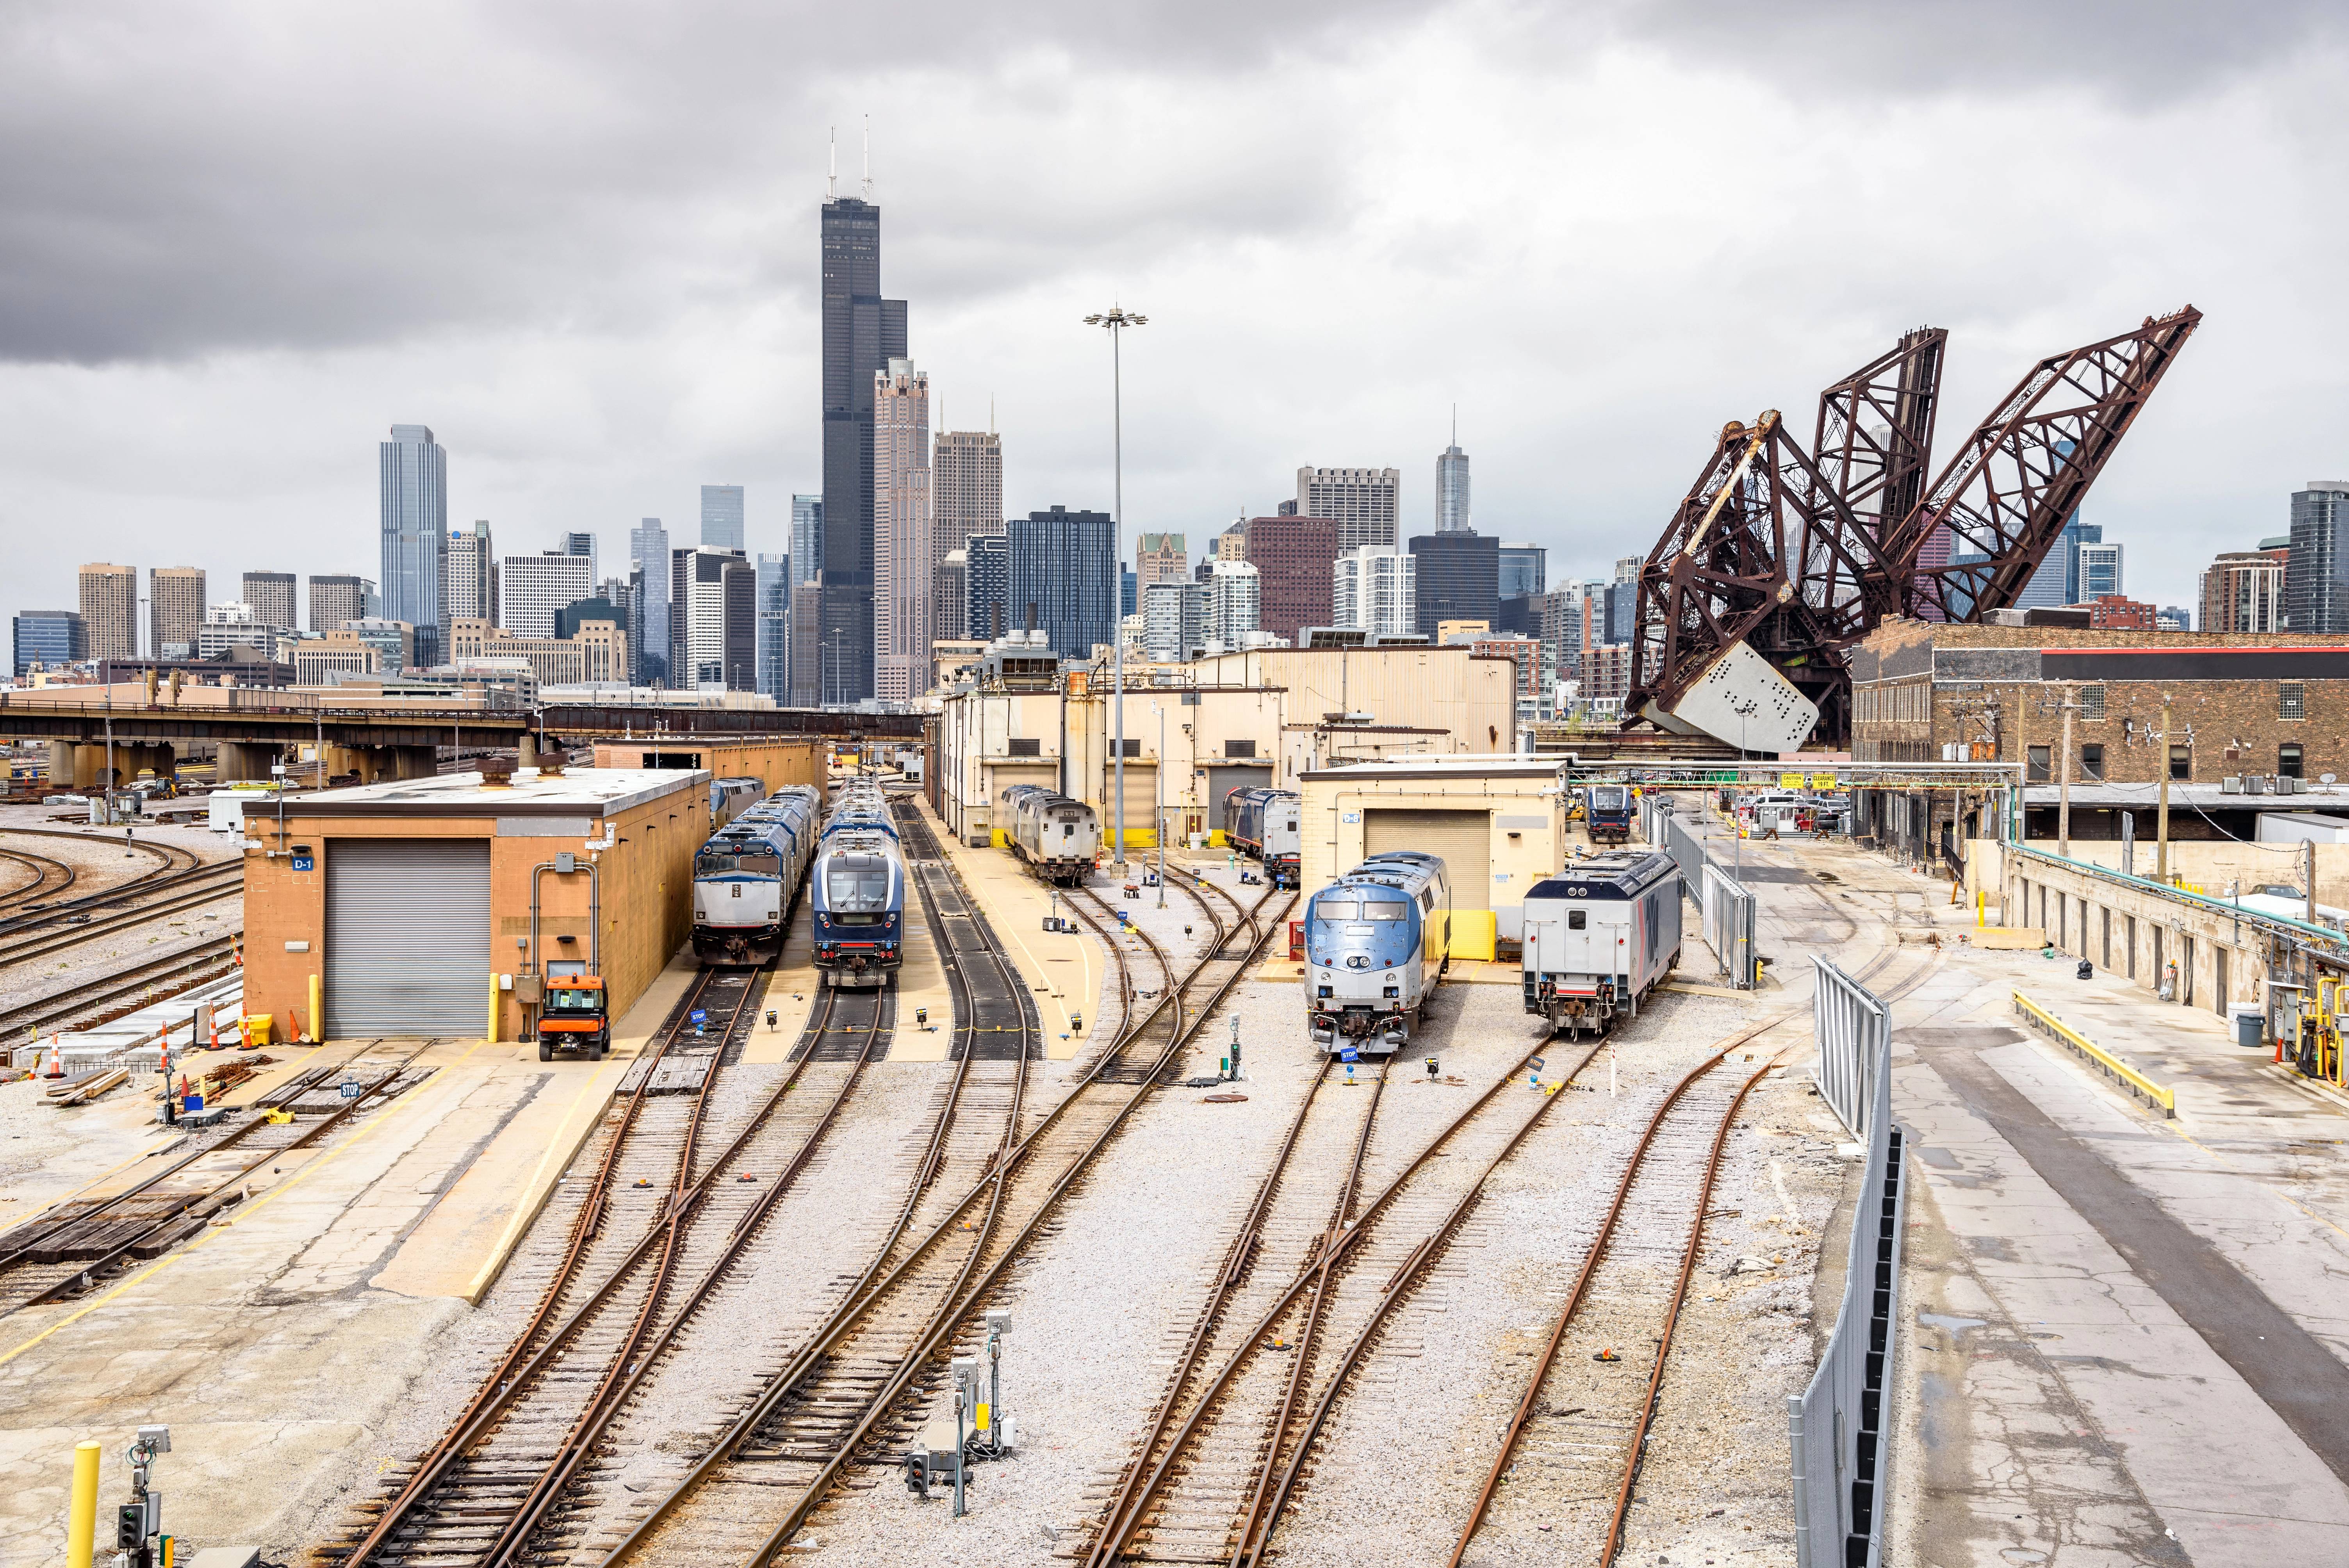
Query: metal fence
column 1854, row 1028
column 1839, row 1429
column 1728, row 907
column 1687, row 852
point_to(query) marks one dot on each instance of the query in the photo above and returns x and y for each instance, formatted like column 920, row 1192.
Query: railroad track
column 137, row 982
column 884, row 1345
column 49, row 877
column 192, row 888
column 172, row 862
column 82, row 1243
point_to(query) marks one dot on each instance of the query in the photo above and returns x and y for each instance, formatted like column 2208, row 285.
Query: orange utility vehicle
column 576, row 1016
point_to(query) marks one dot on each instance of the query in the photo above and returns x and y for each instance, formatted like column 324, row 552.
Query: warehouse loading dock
column 395, row 908
column 1499, row 822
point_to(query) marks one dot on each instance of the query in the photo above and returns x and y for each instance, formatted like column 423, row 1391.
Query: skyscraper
column 713, row 620
column 774, row 588
column 905, row 567
column 862, row 332
column 2317, row 574
column 579, row 544
column 175, row 610
column 1296, row 560
column 987, row 587
column 1458, row 578
column 2242, row 590
column 1523, row 568
column 532, row 588
column 1373, row 590
column 1235, row 599
column 2096, row 569
column 48, row 638
column 272, row 596
column 415, row 486
column 1173, row 618
column 966, row 486
column 1161, row 557
column 1452, row 485
column 807, row 537
column 721, row 517
column 648, row 550
column 803, row 668
column 950, row 598
column 2076, row 535
column 109, row 610
column 472, row 575
column 1361, row 501
column 335, row 600
column 1064, row 573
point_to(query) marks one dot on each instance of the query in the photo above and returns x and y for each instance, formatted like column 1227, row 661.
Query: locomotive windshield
column 1611, row 796
column 857, row 890
column 1375, row 906
column 760, row 861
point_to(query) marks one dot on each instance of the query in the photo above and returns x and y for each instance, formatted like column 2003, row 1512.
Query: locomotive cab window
column 1384, row 909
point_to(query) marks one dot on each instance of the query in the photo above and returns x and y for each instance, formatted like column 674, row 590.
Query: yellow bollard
column 1981, row 899
column 317, row 1010
column 81, row 1515
column 492, row 1035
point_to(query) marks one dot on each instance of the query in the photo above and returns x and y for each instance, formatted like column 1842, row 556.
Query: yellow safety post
column 317, row 1010
column 81, row 1517
column 1981, row 899
column 493, row 1035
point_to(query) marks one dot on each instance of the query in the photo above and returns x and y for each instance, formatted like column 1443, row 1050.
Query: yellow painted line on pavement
column 159, row 1264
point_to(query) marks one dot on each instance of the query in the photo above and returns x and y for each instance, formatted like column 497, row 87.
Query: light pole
column 1114, row 322
column 1158, row 789
column 1737, row 835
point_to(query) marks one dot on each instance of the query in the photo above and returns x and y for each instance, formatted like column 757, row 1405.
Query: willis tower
column 862, row 332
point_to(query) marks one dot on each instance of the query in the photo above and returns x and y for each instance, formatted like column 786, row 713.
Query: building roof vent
column 497, row 772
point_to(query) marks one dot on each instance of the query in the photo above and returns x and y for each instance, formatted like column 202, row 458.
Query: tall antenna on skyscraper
column 868, row 158
column 1455, row 424
column 832, row 176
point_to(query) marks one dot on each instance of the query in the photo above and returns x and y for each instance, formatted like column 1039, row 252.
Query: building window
column 1132, row 745
column 2039, row 765
column 2288, row 762
column 1239, row 748
column 2092, row 761
column 1017, row 748
column 2292, row 700
column 2182, row 762
column 2092, row 702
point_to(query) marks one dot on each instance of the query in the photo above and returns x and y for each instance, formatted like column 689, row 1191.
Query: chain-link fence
column 1839, row 1429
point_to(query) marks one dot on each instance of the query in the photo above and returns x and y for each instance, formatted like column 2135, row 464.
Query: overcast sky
column 238, row 242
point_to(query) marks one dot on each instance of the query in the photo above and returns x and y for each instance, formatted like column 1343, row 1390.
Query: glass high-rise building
column 721, row 517
column 2097, row 569
column 987, row 587
column 1456, row 577
column 862, row 332
column 648, row 554
column 580, row 544
column 48, row 638
column 2316, row 572
column 1452, row 489
column 1522, row 568
column 807, row 537
column 1063, row 569
column 774, row 612
column 415, row 530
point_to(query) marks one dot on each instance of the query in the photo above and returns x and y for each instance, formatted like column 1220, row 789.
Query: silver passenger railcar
column 1599, row 936
column 1059, row 838
column 1377, row 941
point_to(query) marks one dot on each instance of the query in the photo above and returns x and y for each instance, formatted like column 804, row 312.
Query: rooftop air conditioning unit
column 2255, row 784
column 2231, row 786
column 2291, row 785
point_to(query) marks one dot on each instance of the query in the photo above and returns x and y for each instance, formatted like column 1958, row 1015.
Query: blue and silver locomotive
column 1599, row 936
column 858, row 892
column 1264, row 823
column 1377, row 941
column 1608, row 813
column 746, row 876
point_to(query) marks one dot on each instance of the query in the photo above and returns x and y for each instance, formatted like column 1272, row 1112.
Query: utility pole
column 2069, row 705
column 2161, row 813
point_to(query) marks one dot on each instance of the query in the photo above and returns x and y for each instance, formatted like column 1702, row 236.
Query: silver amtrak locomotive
column 1059, row 838
column 1377, row 941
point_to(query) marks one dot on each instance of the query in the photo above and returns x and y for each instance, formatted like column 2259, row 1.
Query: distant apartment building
column 2096, row 572
column 904, row 568
column 987, row 587
column 648, row 552
column 1534, row 686
column 109, row 610
column 395, row 641
column 1173, row 619
column 414, row 472
column 272, row 596
column 1574, row 618
column 1361, row 501
column 1296, row 560
column 473, row 575
column 532, row 588
column 1064, row 573
column 1372, row 591
column 1606, row 676
column 338, row 599
column 47, row 638
column 722, row 525
column 1234, row 601
column 2316, row 574
column 2243, row 590
column 597, row 652
column 2113, row 612
column 713, row 620
column 175, row 610
column 325, row 661
column 1458, row 578
column 1161, row 557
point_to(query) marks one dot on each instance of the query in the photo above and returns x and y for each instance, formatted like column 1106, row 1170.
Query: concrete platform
column 792, row 990
column 1063, row 972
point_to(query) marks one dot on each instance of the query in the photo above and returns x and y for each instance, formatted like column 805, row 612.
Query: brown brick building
column 1295, row 558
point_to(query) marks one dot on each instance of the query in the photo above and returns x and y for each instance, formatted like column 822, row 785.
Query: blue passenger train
column 858, row 892
column 746, row 876
column 1607, row 813
column 1377, row 941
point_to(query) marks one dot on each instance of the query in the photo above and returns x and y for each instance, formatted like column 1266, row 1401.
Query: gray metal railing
column 1729, row 925
column 1854, row 1030
column 1839, row 1430
column 1687, row 850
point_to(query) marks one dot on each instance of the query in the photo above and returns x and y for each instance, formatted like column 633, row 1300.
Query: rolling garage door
column 408, row 936
column 1461, row 838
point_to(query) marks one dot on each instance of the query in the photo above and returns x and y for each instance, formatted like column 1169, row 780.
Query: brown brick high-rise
column 1295, row 558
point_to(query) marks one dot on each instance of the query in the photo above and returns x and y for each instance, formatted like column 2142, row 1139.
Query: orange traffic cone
column 57, row 1059
column 215, row 1045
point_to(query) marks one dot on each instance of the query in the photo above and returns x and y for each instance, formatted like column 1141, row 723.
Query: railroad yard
column 1503, row 1299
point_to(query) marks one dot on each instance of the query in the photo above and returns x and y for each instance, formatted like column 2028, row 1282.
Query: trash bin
column 2250, row 1025
column 256, row 1028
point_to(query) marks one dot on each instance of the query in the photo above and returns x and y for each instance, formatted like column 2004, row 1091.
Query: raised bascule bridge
column 1782, row 555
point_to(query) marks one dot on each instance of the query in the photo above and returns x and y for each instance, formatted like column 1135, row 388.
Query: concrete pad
column 792, row 988
column 1063, row 972
column 922, row 982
